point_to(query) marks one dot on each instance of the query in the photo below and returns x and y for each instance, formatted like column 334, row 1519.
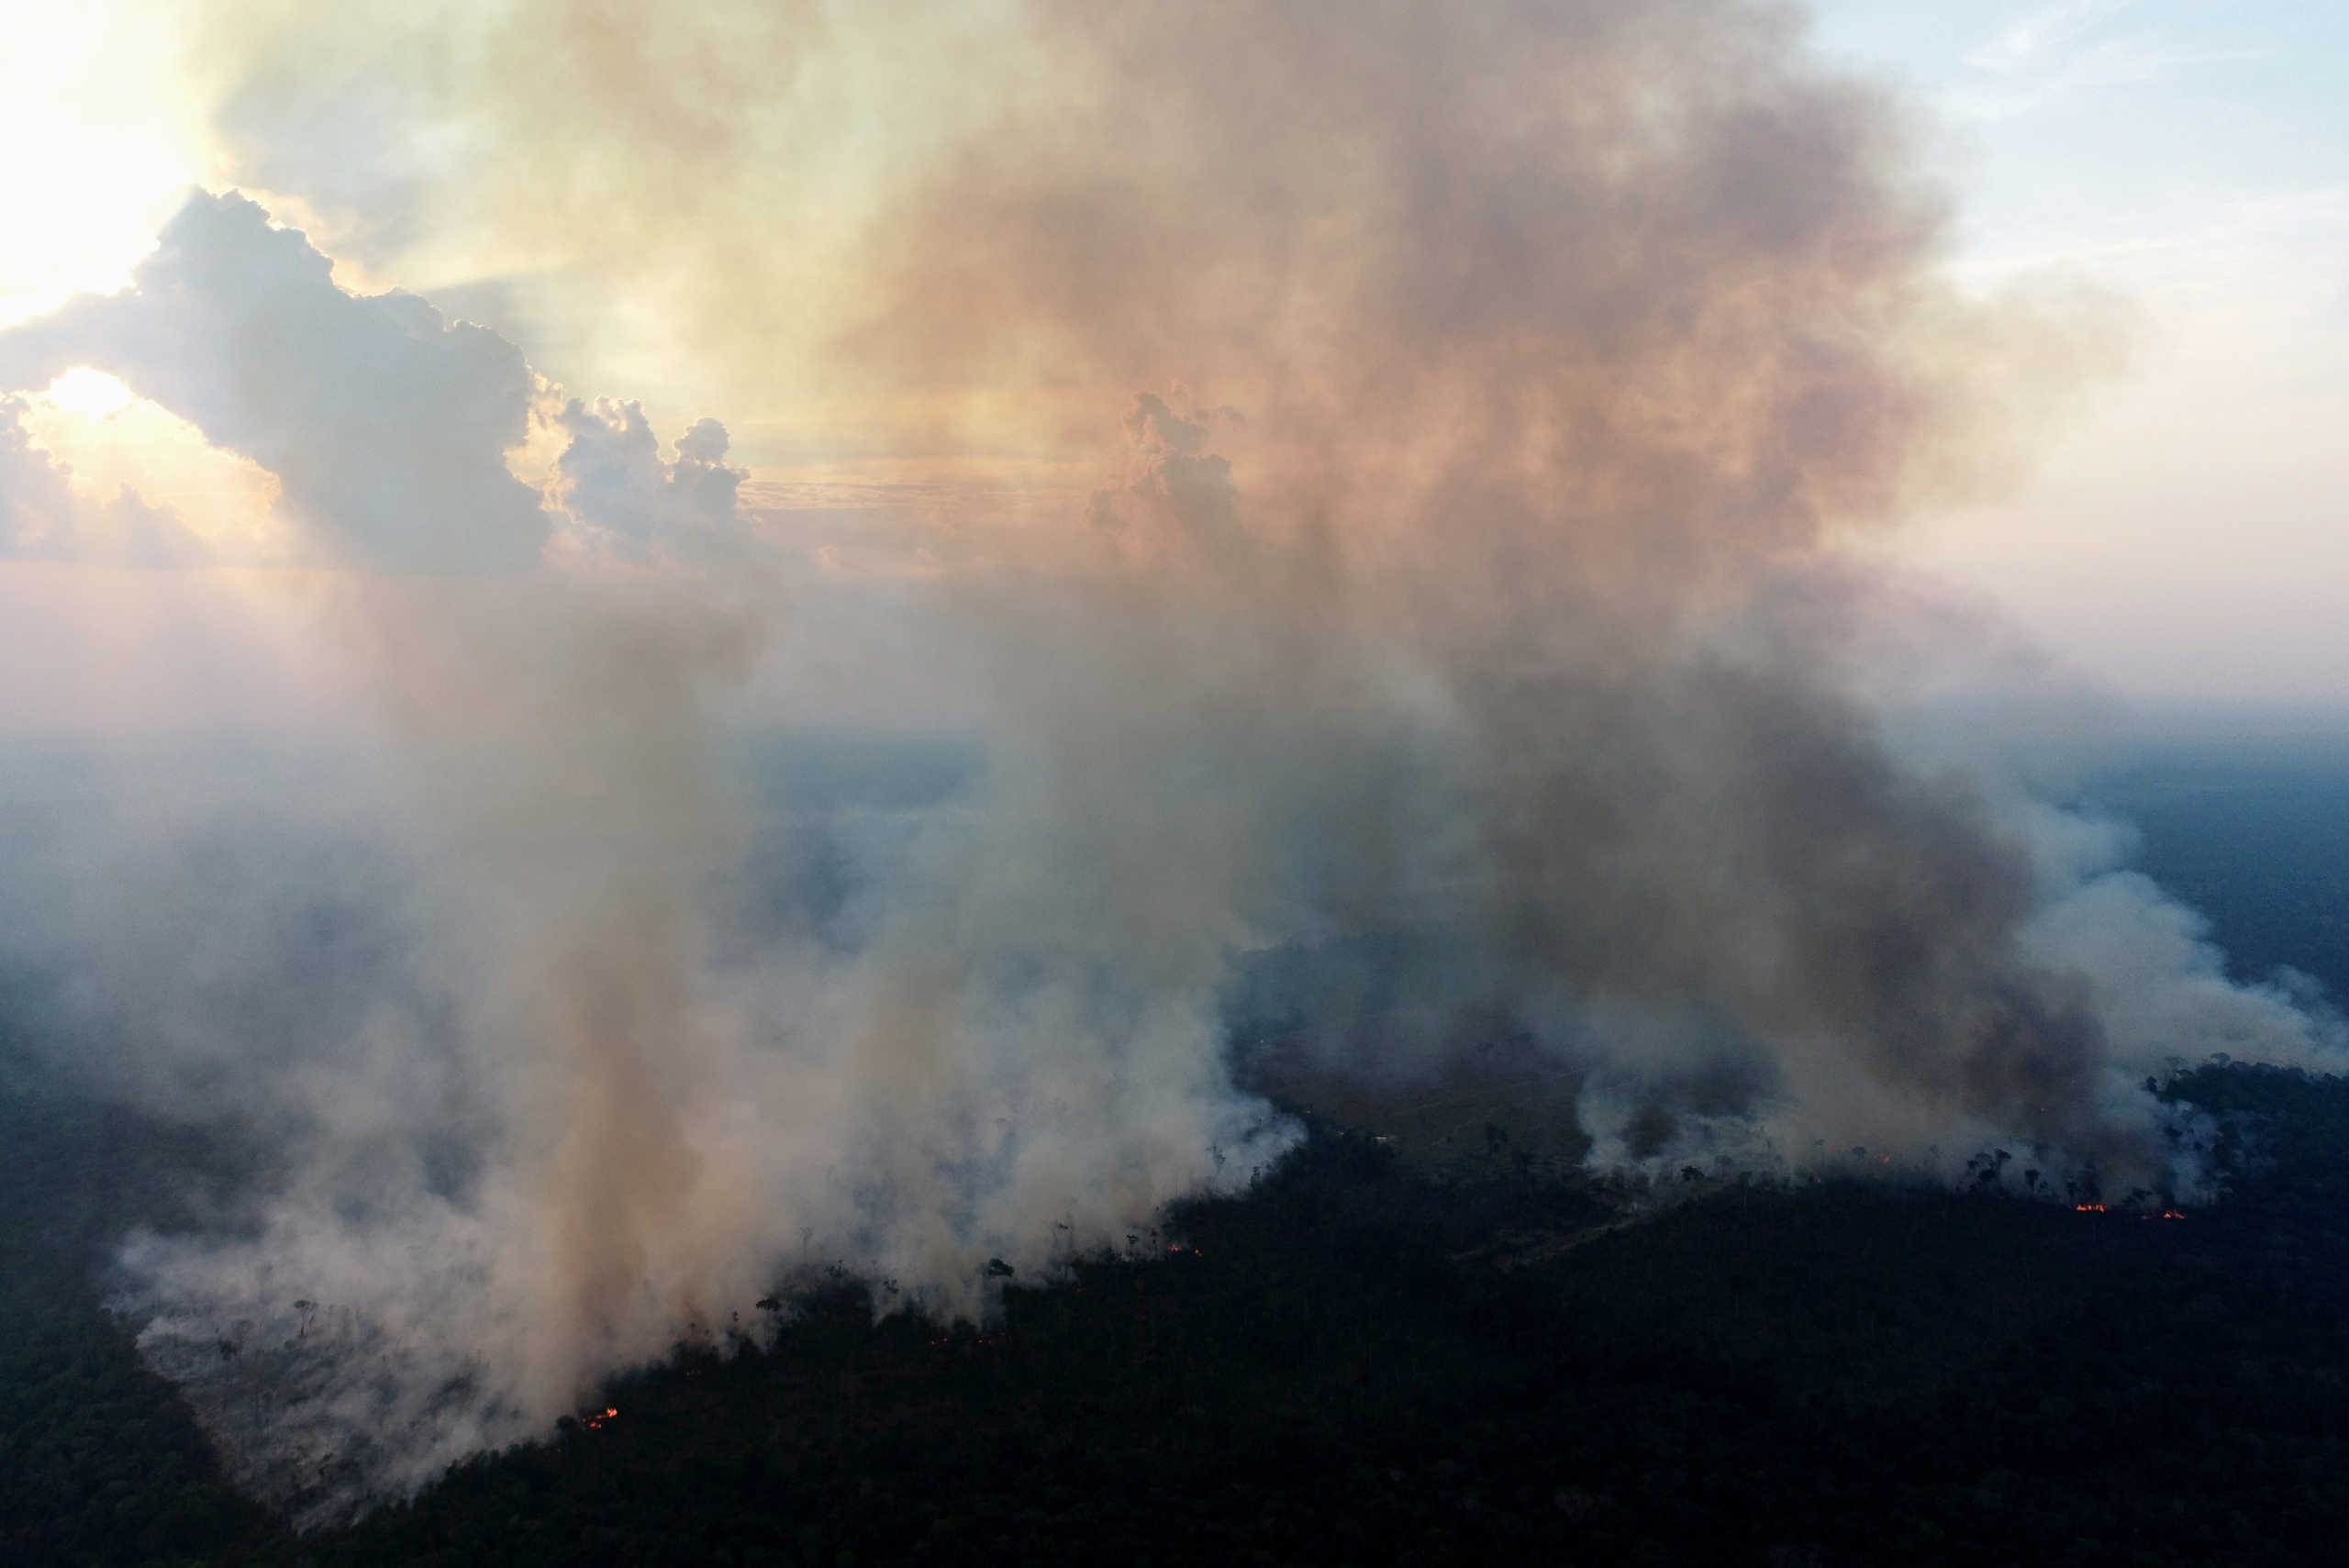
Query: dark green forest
column 1355, row 1362
column 1368, row 1361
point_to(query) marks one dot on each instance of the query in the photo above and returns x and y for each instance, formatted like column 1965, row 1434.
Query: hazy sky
column 2192, row 537
column 2186, row 535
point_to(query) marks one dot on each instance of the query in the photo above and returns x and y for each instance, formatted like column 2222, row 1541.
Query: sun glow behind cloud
column 87, row 394
column 112, row 440
column 105, row 133
column 103, row 641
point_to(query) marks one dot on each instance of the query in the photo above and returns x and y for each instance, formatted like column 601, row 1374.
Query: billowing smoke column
column 1496, row 383
column 1564, row 342
column 549, row 1132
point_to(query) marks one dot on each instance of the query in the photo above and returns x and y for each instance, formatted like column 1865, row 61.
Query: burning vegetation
column 1825, row 1372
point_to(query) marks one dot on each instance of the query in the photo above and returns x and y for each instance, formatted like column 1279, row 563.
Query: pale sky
column 2186, row 537
column 2190, row 537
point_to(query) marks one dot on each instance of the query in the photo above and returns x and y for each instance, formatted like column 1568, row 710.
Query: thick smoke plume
column 1499, row 386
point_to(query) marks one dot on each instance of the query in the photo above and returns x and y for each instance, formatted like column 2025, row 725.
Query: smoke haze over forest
column 1374, row 519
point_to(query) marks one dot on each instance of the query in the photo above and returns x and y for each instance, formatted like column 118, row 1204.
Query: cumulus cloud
column 612, row 477
column 386, row 424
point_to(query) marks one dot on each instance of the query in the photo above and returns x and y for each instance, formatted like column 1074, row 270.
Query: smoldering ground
column 1481, row 402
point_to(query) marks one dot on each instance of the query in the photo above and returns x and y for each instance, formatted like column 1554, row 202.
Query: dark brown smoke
column 1531, row 350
